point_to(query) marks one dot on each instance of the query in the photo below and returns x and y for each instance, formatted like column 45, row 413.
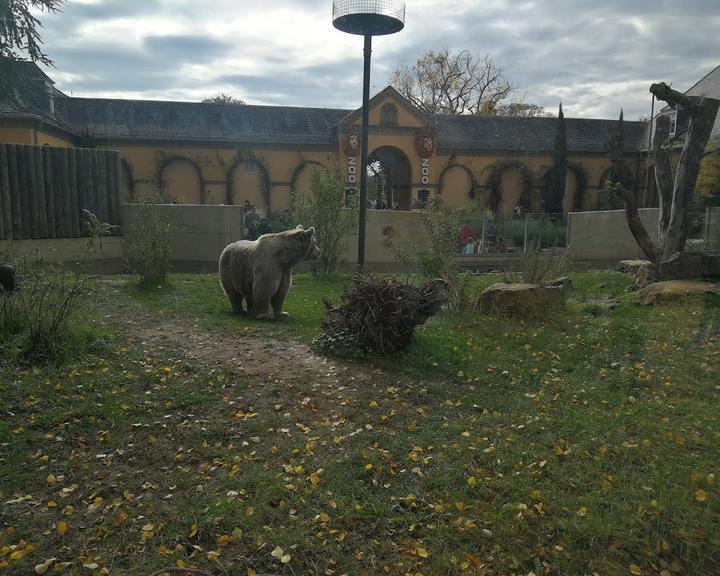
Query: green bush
column 324, row 209
column 147, row 241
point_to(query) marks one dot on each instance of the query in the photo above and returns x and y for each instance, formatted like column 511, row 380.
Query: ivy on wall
column 242, row 156
column 582, row 181
column 298, row 170
column 582, row 178
column 163, row 159
column 494, row 182
column 473, row 181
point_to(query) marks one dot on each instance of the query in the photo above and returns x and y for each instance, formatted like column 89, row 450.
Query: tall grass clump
column 147, row 240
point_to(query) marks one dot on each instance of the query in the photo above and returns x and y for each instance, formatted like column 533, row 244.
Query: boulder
column 522, row 299
column 689, row 265
column 670, row 290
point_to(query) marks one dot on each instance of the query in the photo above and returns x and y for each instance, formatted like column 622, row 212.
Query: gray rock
column 522, row 299
column 672, row 290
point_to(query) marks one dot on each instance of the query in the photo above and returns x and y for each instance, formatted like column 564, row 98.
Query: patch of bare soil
column 265, row 358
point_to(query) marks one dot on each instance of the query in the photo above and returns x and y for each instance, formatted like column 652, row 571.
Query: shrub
column 96, row 230
column 323, row 209
column 37, row 317
column 147, row 241
column 538, row 266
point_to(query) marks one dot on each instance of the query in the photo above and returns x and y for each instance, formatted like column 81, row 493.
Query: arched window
column 388, row 115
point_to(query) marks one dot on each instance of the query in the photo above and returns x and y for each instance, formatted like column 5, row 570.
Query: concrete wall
column 201, row 232
column 377, row 256
column 102, row 257
column 605, row 235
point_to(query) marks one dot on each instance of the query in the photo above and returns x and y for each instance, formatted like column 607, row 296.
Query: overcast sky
column 595, row 56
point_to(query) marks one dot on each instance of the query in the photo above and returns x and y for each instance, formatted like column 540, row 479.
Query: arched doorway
column 389, row 179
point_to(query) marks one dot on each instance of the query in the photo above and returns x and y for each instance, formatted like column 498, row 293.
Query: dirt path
column 262, row 357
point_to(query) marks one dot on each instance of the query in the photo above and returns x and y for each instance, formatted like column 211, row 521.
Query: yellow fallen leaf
column 16, row 555
column 285, row 559
column 51, row 479
column 42, row 568
column 472, row 481
column 635, row 570
column 213, row 554
column 237, row 533
column 422, row 552
column 314, row 479
column 250, row 571
column 324, row 517
column 61, row 528
column 700, row 495
column 223, row 540
column 277, row 552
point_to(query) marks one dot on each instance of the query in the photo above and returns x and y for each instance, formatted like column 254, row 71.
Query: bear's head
column 298, row 245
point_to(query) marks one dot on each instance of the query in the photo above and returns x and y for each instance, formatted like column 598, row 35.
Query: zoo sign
column 351, row 170
column 425, row 171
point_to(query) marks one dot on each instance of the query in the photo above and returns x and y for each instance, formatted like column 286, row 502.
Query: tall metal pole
column 367, row 51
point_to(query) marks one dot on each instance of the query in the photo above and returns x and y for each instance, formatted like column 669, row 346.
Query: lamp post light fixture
column 367, row 18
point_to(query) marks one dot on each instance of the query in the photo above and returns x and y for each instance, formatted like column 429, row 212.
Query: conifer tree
column 556, row 191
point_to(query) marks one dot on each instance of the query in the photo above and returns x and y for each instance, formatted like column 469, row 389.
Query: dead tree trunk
column 675, row 195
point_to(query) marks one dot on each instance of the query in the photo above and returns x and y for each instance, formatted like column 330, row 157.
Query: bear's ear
column 310, row 231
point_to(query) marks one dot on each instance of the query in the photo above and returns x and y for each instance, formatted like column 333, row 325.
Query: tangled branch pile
column 379, row 315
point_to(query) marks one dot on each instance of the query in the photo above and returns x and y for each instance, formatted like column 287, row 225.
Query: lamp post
column 367, row 18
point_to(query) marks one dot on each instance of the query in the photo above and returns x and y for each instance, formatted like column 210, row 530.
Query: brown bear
column 260, row 271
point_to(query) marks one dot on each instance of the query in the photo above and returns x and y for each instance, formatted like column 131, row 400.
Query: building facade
column 226, row 154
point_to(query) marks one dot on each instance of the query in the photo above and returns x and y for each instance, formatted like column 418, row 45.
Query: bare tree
column 452, row 83
column 522, row 109
column 667, row 254
column 223, row 98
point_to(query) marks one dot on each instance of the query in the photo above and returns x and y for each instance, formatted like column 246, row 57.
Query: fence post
column 525, row 234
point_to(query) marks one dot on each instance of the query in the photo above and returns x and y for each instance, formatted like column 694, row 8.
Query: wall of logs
column 43, row 190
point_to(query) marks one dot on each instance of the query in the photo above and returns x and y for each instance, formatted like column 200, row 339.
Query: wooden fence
column 43, row 190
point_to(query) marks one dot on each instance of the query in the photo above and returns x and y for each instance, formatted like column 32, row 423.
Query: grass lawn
column 587, row 442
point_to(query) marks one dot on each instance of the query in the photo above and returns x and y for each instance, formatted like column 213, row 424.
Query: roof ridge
column 206, row 104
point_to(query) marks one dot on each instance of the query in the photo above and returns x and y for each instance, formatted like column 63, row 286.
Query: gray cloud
column 594, row 56
column 182, row 48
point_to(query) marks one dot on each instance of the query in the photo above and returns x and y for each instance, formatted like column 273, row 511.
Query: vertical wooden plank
column 33, row 191
column 15, row 199
column 82, row 183
column 73, row 166
column 24, row 186
column 114, row 187
column 5, row 206
column 102, row 193
column 62, row 157
column 90, row 180
column 49, row 173
column 39, row 170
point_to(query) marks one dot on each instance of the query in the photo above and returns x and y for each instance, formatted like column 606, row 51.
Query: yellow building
column 226, row 154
